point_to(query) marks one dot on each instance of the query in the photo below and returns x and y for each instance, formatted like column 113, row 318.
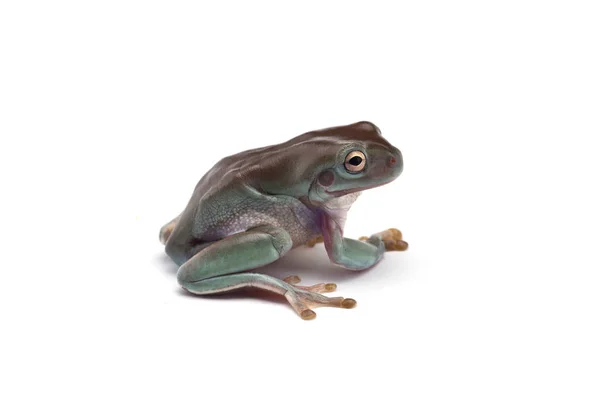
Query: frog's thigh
column 241, row 252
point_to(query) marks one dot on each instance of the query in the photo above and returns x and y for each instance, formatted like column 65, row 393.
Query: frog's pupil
column 356, row 160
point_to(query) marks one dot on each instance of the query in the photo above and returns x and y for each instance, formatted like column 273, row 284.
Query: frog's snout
column 395, row 160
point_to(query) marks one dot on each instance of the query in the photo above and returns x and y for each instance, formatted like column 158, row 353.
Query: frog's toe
column 318, row 288
column 308, row 315
column 399, row 245
column 392, row 239
column 315, row 300
column 292, row 279
column 327, row 287
column 348, row 303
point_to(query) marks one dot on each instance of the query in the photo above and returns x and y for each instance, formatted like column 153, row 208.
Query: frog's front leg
column 358, row 254
column 219, row 268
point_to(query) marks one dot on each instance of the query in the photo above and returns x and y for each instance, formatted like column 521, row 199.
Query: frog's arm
column 358, row 254
column 350, row 253
column 219, row 268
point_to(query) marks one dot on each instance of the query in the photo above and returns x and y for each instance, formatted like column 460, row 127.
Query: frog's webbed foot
column 303, row 301
column 304, row 298
column 312, row 242
column 392, row 238
column 318, row 288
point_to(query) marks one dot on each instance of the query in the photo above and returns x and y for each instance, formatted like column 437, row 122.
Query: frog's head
column 352, row 158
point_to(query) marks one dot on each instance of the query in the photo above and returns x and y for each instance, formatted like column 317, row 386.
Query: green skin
column 251, row 208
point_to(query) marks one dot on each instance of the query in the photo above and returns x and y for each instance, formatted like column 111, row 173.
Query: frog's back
column 225, row 173
column 287, row 162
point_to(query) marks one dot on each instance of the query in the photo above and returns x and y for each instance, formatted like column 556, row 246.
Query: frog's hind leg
column 219, row 268
column 167, row 229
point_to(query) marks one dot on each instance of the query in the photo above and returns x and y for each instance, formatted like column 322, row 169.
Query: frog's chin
column 344, row 192
column 319, row 195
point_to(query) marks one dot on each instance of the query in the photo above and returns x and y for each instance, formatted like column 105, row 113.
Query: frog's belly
column 296, row 219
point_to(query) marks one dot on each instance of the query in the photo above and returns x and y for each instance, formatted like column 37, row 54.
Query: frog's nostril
column 394, row 160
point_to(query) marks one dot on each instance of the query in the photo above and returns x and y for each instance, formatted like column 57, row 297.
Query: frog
column 252, row 208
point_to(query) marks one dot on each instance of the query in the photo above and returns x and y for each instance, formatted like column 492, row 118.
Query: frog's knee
column 184, row 277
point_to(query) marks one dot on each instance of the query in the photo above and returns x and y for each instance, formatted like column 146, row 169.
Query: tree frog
column 252, row 208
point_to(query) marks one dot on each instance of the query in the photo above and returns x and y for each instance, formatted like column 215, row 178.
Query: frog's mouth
column 343, row 192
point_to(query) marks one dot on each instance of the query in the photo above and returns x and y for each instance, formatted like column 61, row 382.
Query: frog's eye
column 355, row 161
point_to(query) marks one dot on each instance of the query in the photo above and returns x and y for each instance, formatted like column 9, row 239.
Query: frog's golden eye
column 355, row 161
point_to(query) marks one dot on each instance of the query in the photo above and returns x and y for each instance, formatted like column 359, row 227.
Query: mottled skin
column 253, row 207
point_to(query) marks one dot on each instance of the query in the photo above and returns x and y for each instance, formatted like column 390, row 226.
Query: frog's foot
column 318, row 288
column 303, row 301
column 312, row 242
column 392, row 238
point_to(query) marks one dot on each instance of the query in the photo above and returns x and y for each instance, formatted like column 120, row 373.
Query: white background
column 110, row 112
